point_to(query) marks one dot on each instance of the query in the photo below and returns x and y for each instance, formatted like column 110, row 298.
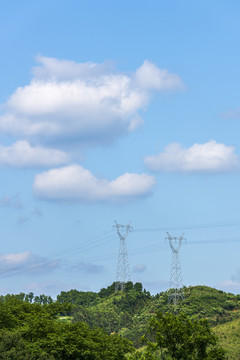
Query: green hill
column 38, row 325
column 128, row 313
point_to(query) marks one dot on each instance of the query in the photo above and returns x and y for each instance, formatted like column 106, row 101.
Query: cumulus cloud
column 211, row 157
column 150, row 77
column 22, row 154
column 25, row 262
column 66, row 70
column 74, row 183
column 82, row 102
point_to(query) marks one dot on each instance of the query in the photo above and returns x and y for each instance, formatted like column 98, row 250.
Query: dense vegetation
column 88, row 325
column 128, row 313
column 179, row 337
column 229, row 337
column 33, row 331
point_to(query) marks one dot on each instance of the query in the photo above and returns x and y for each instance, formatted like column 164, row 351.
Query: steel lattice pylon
column 123, row 272
column 176, row 283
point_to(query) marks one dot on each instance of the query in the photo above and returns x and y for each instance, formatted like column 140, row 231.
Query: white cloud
column 25, row 262
column 211, row 157
column 74, row 183
column 150, row 77
column 82, row 102
column 21, row 154
column 66, row 70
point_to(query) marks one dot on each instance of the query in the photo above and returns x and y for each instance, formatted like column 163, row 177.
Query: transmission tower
column 123, row 272
column 176, row 292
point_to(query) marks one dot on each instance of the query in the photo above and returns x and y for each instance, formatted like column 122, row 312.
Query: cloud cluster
column 211, row 157
column 25, row 262
column 82, row 102
column 68, row 106
column 78, row 184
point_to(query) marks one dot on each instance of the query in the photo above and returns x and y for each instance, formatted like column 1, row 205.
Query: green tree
column 183, row 338
column 138, row 287
column 29, row 297
column 12, row 347
column 76, row 297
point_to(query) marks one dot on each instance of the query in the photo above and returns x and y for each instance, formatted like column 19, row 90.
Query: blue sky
column 126, row 111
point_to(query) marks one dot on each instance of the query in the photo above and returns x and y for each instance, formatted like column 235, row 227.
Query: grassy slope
column 229, row 337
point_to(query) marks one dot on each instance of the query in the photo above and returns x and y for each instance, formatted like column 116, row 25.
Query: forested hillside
column 110, row 324
column 128, row 313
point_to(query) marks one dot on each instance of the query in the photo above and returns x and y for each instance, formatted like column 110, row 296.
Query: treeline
column 87, row 298
column 31, row 298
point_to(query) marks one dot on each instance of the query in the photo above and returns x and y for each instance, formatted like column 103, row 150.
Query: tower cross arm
column 175, row 248
column 127, row 228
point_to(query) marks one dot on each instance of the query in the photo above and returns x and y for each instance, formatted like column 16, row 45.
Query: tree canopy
column 183, row 338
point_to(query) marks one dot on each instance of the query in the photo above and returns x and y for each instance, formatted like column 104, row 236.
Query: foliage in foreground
column 32, row 332
column 183, row 338
column 180, row 338
column 38, row 328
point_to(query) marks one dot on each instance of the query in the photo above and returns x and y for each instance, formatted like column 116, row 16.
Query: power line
column 214, row 241
column 106, row 238
column 135, row 251
column 94, row 241
column 189, row 227
column 132, row 252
